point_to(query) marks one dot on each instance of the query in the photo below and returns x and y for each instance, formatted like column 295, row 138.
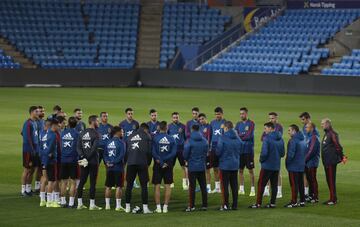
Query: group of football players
column 62, row 153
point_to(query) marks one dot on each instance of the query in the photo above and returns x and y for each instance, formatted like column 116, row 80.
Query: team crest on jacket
column 109, row 130
column 134, row 127
column 180, row 130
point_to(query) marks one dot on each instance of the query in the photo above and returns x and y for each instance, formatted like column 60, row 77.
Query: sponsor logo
column 135, row 138
column 111, row 145
column 67, row 144
column 164, row 148
column 105, row 137
column 176, row 136
column 135, row 145
column 112, row 152
column 217, row 132
column 128, row 133
column 164, row 140
column 87, row 145
column 68, row 136
column 86, row 136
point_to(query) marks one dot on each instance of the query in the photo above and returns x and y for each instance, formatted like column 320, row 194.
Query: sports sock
column 266, row 188
column 56, row 196
column 158, row 206
column 145, row 207
column 127, row 206
column 71, row 201
column 208, row 186
column 118, row 203
column 252, row 189
column 63, row 200
column 49, row 197
column 92, row 202
column 185, row 181
column 165, row 206
column 279, row 189
column 241, row 188
column 37, row 185
column 80, row 202
column 42, row 196
column 107, row 202
column 22, row 188
column 217, row 185
column 306, row 190
column 28, row 188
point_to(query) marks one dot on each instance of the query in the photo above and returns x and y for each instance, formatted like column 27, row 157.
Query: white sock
column 28, row 188
column 71, row 201
column 252, row 188
column 158, row 206
column 217, row 185
column 241, row 188
column 208, row 186
column 80, row 203
column 306, row 190
column 266, row 188
column 184, row 181
column 279, row 189
column 118, row 203
column 77, row 183
column 107, row 202
column 145, row 207
column 49, row 197
column 63, row 200
column 92, row 202
column 42, row 196
column 56, row 196
column 22, row 188
column 37, row 185
column 165, row 206
column 128, row 206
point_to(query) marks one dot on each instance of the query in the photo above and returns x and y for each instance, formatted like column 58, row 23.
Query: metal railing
column 227, row 42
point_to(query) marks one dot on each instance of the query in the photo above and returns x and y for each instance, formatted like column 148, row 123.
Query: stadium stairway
column 148, row 53
column 338, row 48
column 17, row 55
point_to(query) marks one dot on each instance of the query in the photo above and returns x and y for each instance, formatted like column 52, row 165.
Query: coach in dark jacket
column 332, row 154
column 195, row 152
column 228, row 151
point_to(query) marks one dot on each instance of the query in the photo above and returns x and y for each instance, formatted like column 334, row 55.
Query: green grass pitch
column 344, row 111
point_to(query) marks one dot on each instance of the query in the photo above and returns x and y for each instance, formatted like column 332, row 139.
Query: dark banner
column 323, row 4
column 253, row 17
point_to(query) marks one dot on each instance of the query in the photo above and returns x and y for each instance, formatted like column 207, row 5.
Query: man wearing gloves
column 195, row 154
column 228, row 151
column 295, row 164
column 87, row 149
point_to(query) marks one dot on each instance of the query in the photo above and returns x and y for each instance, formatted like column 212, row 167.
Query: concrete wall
column 327, row 85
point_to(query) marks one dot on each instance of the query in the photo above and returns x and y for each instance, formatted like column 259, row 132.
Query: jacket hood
column 299, row 136
column 196, row 136
column 275, row 135
column 231, row 134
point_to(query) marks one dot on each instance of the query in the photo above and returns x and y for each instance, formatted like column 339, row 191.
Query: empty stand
column 72, row 34
column 349, row 66
column 188, row 24
column 288, row 45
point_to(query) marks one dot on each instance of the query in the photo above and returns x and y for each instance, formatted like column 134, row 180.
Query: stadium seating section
column 68, row 34
column 349, row 66
column 289, row 44
column 6, row 62
column 188, row 24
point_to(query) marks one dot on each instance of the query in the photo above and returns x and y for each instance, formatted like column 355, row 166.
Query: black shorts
column 247, row 160
column 114, row 179
column 27, row 160
column 36, row 160
column 213, row 160
column 179, row 156
column 52, row 172
column 160, row 174
column 68, row 170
